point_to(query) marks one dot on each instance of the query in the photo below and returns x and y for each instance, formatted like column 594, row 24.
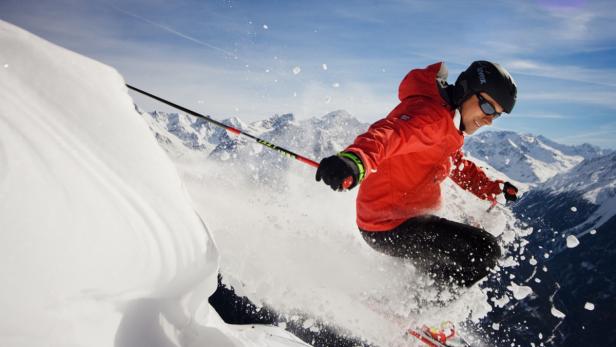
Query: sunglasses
column 487, row 107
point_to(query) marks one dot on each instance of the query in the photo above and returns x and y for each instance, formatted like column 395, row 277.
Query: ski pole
column 346, row 184
column 231, row 129
column 495, row 203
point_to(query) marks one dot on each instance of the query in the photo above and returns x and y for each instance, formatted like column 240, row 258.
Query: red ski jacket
column 409, row 153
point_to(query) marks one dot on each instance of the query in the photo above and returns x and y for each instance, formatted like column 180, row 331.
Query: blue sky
column 252, row 59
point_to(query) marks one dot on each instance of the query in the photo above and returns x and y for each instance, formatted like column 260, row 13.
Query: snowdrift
column 100, row 243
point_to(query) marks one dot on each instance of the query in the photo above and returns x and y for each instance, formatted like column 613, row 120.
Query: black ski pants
column 450, row 252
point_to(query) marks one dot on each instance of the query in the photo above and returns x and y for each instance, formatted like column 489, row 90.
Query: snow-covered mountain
column 574, row 217
column 317, row 137
column 527, row 158
column 524, row 158
column 577, row 201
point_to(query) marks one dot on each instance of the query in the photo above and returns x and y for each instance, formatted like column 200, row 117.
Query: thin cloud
column 603, row 136
column 175, row 32
column 605, row 99
column 542, row 116
column 601, row 77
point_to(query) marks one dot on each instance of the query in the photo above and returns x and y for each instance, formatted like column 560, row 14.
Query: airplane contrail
column 175, row 32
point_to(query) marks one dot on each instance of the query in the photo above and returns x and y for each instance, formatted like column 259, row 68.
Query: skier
column 402, row 159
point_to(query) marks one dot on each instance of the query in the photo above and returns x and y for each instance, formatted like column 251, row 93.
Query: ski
column 444, row 337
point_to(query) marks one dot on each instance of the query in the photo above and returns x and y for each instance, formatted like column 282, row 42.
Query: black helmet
column 488, row 77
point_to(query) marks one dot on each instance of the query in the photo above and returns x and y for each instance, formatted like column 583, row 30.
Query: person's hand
column 510, row 192
column 338, row 172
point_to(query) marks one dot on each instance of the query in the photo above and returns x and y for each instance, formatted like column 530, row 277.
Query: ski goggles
column 487, row 107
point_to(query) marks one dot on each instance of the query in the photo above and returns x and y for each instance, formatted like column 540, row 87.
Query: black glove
column 510, row 192
column 336, row 169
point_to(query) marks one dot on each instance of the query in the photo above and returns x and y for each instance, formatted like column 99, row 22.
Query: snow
column 556, row 313
column 106, row 194
column 589, row 306
column 573, row 209
column 501, row 302
column 101, row 244
column 527, row 158
column 300, row 249
column 292, row 244
column 297, row 70
column 519, row 292
column 597, row 186
column 572, row 241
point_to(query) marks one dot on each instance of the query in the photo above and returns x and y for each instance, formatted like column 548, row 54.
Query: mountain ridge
column 525, row 158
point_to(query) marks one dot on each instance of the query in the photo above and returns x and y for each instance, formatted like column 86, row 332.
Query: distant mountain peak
column 338, row 114
column 235, row 122
column 527, row 158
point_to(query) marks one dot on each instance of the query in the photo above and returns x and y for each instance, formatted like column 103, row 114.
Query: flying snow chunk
column 501, row 302
column 297, row 70
column 593, row 231
column 495, row 326
column 265, row 26
column 336, row 85
column 556, row 313
column 519, row 292
column 308, row 323
column 589, row 306
column 573, row 209
column 324, row 66
column 572, row 241
column 6, row 66
column 533, row 261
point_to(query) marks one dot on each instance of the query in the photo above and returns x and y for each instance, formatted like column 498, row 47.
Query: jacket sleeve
column 396, row 135
column 470, row 177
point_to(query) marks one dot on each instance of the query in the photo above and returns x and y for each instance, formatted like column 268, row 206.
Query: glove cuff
column 355, row 159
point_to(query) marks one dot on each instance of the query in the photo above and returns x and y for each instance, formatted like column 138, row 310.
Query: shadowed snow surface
column 100, row 243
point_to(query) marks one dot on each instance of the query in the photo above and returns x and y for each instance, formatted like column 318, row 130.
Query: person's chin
column 470, row 131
